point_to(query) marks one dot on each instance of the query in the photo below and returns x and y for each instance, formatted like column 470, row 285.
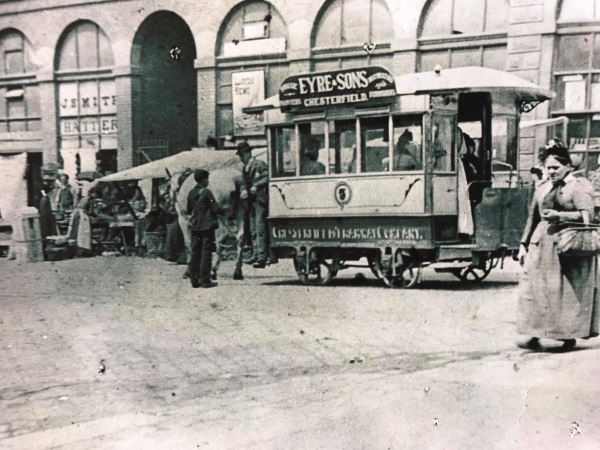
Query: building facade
column 113, row 83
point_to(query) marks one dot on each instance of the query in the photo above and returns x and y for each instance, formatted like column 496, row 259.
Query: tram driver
column 310, row 164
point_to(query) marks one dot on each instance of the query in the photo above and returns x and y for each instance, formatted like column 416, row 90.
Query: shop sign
column 88, row 125
column 87, row 98
column 349, row 234
column 248, row 88
column 338, row 88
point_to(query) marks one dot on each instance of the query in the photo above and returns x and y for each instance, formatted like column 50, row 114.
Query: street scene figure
column 255, row 188
column 64, row 196
column 558, row 298
column 47, row 222
column 203, row 210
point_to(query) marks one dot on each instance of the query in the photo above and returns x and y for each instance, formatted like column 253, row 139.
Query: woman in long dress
column 558, row 297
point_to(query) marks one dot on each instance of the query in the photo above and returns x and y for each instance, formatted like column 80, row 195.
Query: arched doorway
column 164, row 97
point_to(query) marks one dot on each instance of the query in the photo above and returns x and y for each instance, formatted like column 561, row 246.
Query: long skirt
column 558, row 295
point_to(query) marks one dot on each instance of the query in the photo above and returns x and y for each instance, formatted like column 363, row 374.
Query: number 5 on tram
column 405, row 172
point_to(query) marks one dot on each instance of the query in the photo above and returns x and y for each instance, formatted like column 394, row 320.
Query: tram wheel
column 472, row 274
column 319, row 272
column 407, row 276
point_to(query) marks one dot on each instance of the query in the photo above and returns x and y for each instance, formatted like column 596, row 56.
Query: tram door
column 440, row 167
column 475, row 140
column 459, row 159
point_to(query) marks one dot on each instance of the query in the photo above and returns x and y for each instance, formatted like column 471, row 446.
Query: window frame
column 359, row 172
column 484, row 31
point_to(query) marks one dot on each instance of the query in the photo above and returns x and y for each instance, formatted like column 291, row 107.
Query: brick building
column 115, row 82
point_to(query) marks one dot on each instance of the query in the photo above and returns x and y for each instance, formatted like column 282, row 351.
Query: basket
column 154, row 243
column 578, row 241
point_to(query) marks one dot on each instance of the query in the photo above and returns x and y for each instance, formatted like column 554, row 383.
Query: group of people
column 203, row 210
column 65, row 209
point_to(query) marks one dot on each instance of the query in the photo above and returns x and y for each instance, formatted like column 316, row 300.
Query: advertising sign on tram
column 338, row 88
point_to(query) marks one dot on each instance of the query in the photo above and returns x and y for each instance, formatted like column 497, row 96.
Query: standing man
column 64, row 197
column 203, row 209
column 254, row 187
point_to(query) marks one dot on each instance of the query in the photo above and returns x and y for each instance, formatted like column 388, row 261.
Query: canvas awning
column 202, row 158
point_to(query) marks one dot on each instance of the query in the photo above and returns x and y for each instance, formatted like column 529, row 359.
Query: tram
column 402, row 172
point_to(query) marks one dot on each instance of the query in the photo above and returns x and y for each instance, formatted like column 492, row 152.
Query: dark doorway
column 164, row 96
column 34, row 179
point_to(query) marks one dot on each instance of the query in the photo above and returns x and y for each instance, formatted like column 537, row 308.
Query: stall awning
column 202, row 158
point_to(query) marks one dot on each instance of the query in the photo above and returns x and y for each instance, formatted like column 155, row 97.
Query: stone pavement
column 269, row 363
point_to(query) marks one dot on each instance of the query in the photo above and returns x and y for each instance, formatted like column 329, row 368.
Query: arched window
column 251, row 29
column 579, row 10
column 19, row 98
column 14, row 53
column 577, row 80
column 85, row 46
column 478, row 27
column 87, row 95
column 343, row 29
column 252, row 21
column 451, row 17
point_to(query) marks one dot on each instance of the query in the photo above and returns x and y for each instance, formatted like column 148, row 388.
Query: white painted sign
column 248, row 88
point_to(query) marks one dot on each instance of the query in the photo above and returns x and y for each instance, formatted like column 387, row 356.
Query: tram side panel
column 352, row 213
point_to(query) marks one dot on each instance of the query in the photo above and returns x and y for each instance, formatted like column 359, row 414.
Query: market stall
column 151, row 176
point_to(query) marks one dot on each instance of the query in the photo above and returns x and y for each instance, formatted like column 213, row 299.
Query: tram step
column 453, row 252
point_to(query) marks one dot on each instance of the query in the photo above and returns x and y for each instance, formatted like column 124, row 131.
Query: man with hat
column 254, row 188
column 203, row 209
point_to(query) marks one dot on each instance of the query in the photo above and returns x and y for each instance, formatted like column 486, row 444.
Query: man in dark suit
column 203, row 209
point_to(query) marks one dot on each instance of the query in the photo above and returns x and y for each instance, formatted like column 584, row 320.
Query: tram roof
column 470, row 79
column 460, row 79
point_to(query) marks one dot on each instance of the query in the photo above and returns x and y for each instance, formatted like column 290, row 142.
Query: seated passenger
column 310, row 164
column 404, row 154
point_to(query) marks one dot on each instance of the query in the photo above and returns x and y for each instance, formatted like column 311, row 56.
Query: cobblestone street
column 269, row 363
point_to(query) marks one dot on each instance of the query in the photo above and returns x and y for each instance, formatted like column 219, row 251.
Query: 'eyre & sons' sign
column 342, row 87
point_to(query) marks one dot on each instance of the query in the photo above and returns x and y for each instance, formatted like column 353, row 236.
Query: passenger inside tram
column 404, row 153
column 310, row 164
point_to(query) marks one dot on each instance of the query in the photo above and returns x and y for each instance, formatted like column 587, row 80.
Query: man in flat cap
column 203, row 209
column 254, row 188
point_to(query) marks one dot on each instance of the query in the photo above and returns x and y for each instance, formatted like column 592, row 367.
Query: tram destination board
column 362, row 86
column 415, row 232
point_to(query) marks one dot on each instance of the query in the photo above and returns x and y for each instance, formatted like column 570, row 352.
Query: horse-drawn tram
column 402, row 172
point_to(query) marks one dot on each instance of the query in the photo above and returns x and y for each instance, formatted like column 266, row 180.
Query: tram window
column 442, row 151
column 283, row 162
column 375, row 144
column 342, row 142
column 313, row 156
column 408, row 139
column 504, row 144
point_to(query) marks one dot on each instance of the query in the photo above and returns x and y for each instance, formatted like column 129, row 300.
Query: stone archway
column 164, row 95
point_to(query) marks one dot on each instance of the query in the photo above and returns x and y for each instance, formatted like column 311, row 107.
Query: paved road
column 270, row 364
